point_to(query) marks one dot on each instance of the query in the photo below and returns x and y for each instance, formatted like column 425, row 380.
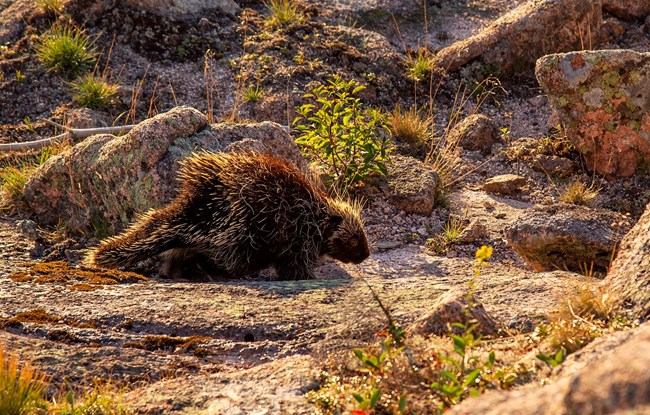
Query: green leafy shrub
column 350, row 141
column 93, row 92
column 66, row 49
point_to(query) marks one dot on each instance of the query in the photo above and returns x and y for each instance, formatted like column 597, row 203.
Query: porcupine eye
column 353, row 242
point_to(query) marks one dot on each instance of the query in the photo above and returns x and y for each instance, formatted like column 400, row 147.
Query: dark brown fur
column 237, row 213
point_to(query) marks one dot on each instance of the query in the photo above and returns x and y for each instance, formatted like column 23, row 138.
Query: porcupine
column 236, row 214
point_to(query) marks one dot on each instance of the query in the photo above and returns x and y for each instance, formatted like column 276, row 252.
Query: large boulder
column 627, row 9
column 517, row 39
column 629, row 276
column 609, row 376
column 567, row 237
column 603, row 101
column 103, row 182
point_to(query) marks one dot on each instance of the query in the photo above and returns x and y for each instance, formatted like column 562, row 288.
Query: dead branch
column 70, row 133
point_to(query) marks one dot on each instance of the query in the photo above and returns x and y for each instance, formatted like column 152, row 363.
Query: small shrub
column 21, row 386
column 348, row 140
column 419, row 67
column 411, row 126
column 66, row 49
column 253, row 93
column 283, row 13
column 578, row 193
column 51, row 6
column 93, row 91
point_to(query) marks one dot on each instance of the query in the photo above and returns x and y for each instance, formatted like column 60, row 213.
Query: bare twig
column 71, row 133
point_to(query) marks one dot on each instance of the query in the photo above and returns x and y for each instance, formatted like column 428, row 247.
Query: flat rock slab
column 603, row 101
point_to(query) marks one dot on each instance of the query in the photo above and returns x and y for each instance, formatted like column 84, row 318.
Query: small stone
column 504, row 184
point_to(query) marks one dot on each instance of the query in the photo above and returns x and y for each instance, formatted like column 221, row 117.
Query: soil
column 253, row 345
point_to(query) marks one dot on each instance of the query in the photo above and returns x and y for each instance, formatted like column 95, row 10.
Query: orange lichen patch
column 81, row 277
column 82, row 287
column 40, row 316
column 577, row 62
column 33, row 316
column 153, row 343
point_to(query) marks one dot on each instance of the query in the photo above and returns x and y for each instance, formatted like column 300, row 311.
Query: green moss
column 609, row 126
column 563, row 101
column 611, row 78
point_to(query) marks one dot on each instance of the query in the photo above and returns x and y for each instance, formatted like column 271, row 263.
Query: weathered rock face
column 179, row 9
column 629, row 276
column 504, row 184
column 627, row 9
column 410, row 185
column 610, row 375
column 603, row 101
column 476, row 132
column 517, row 39
column 105, row 181
column 567, row 237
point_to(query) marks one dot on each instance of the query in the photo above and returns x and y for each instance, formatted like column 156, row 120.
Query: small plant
column 419, row 67
column 450, row 235
column 578, row 193
column 20, row 77
column 253, row 93
column 21, row 386
column 66, row 49
column 349, row 141
column 283, row 13
column 411, row 126
column 51, row 6
column 27, row 122
column 93, row 91
column 553, row 360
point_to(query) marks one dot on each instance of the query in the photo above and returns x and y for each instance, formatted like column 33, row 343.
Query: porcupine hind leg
column 147, row 237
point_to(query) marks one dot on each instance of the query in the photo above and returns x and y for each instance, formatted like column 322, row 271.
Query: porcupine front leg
column 296, row 267
column 149, row 236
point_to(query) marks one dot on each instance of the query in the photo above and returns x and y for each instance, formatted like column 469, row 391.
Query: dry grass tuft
column 578, row 193
column 411, row 126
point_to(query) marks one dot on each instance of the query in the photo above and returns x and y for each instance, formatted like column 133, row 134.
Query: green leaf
column 471, row 377
column 402, row 404
column 374, row 397
column 358, row 397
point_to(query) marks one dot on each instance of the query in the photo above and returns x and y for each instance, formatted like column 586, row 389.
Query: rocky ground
column 255, row 345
